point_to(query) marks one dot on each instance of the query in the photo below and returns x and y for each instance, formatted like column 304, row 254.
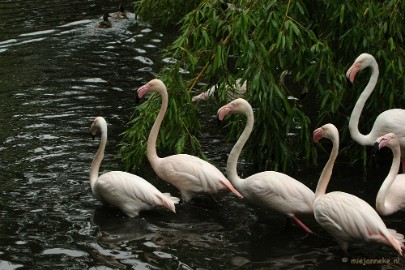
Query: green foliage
column 166, row 13
column 256, row 40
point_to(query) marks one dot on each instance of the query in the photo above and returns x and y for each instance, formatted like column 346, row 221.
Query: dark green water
column 57, row 72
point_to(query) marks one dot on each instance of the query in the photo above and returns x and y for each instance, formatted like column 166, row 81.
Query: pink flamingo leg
column 299, row 222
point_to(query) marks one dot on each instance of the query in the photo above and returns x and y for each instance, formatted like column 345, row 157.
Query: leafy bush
column 256, row 40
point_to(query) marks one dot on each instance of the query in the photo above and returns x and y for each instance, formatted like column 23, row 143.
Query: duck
column 120, row 14
column 105, row 23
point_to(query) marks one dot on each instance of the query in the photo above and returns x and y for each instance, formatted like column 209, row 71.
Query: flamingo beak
column 376, row 148
column 317, row 135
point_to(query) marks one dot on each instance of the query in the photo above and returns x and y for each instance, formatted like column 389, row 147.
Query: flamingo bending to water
column 130, row 193
column 345, row 216
column 189, row 174
column 392, row 120
column 269, row 189
column 391, row 196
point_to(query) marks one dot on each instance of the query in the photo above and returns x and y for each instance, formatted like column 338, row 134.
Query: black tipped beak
column 376, row 148
column 220, row 123
column 349, row 82
column 137, row 99
column 93, row 136
column 303, row 95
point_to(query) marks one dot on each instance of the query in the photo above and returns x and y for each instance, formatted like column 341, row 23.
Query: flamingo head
column 362, row 61
column 154, row 85
column 99, row 123
column 389, row 140
column 326, row 131
column 236, row 106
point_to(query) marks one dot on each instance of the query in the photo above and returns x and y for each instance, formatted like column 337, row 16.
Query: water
column 57, row 72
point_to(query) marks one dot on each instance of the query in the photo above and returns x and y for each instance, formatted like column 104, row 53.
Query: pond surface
column 57, row 72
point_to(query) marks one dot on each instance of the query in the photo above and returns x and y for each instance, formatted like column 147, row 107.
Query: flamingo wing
column 192, row 175
column 130, row 193
column 280, row 192
column 349, row 218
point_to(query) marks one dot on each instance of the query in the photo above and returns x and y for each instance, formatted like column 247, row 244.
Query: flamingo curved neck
column 95, row 165
column 327, row 170
column 151, row 146
column 382, row 206
column 358, row 108
column 231, row 168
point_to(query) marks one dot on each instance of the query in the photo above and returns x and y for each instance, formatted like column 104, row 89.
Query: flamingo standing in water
column 392, row 120
column 269, row 189
column 130, row 193
column 345, row 216
column 189, row 174
column 391, row 196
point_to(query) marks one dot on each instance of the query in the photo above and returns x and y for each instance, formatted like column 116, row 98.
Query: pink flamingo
column 269, row 189
column 392, row 120
column 130, row 193
column 390, row 197
column 345, row 216
column 189, row 174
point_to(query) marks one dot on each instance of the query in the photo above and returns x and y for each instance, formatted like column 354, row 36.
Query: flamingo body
column 190, row 174
column 278, row 191
column 269, row 189
column 233, row 91
column 129, row 192
column 346, row 217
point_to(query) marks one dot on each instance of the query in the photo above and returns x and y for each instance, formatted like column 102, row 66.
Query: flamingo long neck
column 327, row 170
column 381, row 205
column 358, row 108
column 95, row 165
column 231, row 168
column 151, row 146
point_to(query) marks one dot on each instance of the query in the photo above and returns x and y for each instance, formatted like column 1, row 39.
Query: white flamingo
column 392, row 120
column 391, row 196
column 233, row 91
column 189, row 174
column 345, row 216
column 130, row 193
column 269, row 189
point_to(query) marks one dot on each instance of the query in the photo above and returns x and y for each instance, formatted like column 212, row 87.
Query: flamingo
column 105, row 23
column 392, row 120
column 346, row 217
column 390, row 197
column 130, row 193
column 269, row 189
column 235, row 90
column 189, row 174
